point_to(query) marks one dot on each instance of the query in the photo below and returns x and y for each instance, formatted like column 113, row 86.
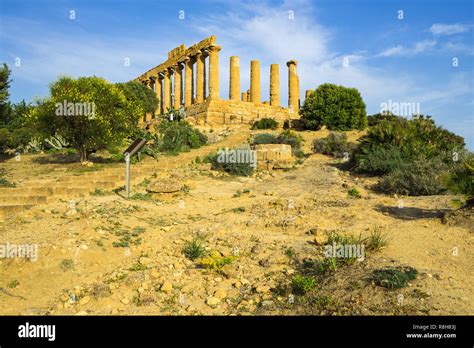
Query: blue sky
column 388, row 55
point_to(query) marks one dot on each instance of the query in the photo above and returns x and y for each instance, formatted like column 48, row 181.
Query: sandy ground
column 79, row 271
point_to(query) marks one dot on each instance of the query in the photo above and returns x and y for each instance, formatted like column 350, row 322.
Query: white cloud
column 401, row 51
column 448, row 29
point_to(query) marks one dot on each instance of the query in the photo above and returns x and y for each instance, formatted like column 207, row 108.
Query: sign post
column 136, row 146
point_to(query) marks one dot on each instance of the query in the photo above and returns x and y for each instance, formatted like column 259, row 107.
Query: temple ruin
column 175, row 88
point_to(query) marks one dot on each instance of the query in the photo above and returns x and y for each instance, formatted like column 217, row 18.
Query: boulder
column 164, row 186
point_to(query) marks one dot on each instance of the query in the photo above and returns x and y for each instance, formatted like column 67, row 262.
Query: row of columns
column 253, row 94
column 195, row 91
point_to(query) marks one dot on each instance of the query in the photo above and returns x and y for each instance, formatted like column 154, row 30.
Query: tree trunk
column 83, row 153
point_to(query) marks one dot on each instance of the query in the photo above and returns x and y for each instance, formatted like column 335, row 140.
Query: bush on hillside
column 265, row 123
column 336, row 107
column 335, row 145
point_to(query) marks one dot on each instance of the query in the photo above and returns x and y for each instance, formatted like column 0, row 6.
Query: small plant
column 290, row 253
column 302, row 284
column 138, row 267
column 216, row 261
column 66, row 264
column 393, row 277
column 238, row 210
column 193, row 250
column 353, row 192
column 265, row 123
column 13, row 284
column 98, row 192
column 376, row 241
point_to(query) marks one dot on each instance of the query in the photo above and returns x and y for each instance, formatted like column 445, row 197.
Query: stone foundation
column 219, row 113
column 271, row 156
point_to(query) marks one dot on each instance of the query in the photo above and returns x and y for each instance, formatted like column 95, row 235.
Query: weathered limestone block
column 255, row 82
column 274, row 85
column 164, row 186
column 214, row 71
column 293, row 99
column 234, row 82
column 273, row 155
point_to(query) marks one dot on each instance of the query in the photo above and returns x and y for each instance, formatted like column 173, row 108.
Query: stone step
column 9, row 210
column 23, row 199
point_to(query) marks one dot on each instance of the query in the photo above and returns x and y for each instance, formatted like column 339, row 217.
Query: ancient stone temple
column 190, row 78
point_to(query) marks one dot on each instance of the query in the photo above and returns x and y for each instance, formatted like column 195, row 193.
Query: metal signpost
column 136, row 146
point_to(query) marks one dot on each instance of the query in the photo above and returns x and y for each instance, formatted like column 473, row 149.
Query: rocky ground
column 109, row 255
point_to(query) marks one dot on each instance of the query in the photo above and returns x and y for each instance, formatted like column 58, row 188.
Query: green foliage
column 193, row 250
column 335, row 145
column 216, row 261
column 264, row 138
column 413, row 155
column 141, row 97
column 336, row 107
column 13, row 284
column 376, row 240
column 291, row 138
column 302, row 284
column 265, row 123
column 179, row 136
column 4, row 182
column 419, row 177
column 393, row 277
column 114, row 118
column 66, row 264
column 238, row 169
column 461, row 179
column 353, row 192
column 373, row 120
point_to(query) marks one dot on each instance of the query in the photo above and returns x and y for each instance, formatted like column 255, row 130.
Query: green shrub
column 336, row 107
column 335, row 145
column 265, row 123
column 194, row 249
column 461, row 179
column 393, row 277
column 179, row 136
column 303, row 284
column 238, row 169
column 375, row 119
column 264, row 138
column 415, row 178
column 353, row 192
column 413, row 155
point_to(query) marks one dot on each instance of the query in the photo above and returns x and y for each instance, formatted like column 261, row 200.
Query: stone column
column 200, row 71
column 178, row 74
column 292, row 86
column 167, row 90
column 255, row 82
column 234, row 82
column 214, row 71
column 298, row 94
column 308, row 93
column 188, row 81
column 274, row 85
column 158, row 93
column 244, row 96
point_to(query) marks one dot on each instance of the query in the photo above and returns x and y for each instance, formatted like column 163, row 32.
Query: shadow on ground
column 411, row 213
